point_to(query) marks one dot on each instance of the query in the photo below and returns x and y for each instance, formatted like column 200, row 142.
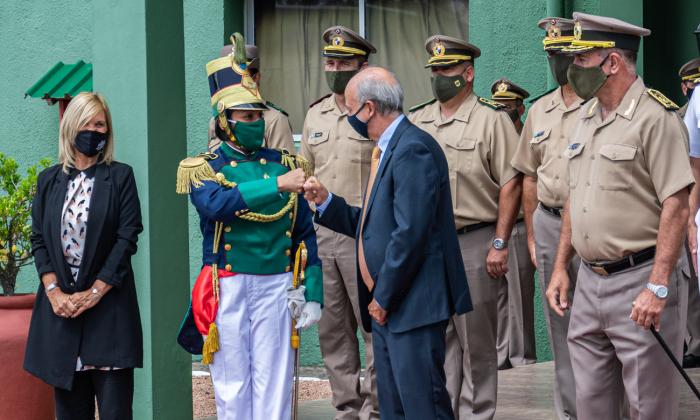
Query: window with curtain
column 288, row 36
column 399, row 28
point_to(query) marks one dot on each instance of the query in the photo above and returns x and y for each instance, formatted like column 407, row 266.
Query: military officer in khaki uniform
column 540, row 158
column 513, row 97
column 516, row 311
column 479, row 140
column 688, row 73
column 278, row 129
column 341, row 159
column 626, row 217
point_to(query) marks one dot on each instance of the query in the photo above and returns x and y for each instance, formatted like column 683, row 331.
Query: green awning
column 63, row 81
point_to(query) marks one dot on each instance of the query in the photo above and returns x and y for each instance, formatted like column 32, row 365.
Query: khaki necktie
column 364, row 271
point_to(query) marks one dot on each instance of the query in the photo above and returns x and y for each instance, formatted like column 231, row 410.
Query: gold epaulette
column 662, row 99
column 415, row 108
column 491, row 104
column 193, row 171
column 296, row 161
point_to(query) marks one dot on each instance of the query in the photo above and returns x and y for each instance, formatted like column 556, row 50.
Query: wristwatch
column 50, row 287
column 499, row 244
column 658, row 290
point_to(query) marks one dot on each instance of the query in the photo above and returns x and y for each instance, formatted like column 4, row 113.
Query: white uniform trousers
column 252, row 371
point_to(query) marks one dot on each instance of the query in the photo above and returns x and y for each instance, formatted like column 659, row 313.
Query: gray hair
column 387, row 95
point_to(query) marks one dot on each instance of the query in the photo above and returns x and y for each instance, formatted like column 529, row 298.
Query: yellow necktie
column 364, row 271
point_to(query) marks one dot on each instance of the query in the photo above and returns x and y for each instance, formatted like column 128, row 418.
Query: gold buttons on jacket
column 227, row 247
column 288, row 233
column 227, row 229
column 228, row 267
column 266, row 176
column 287, row 269
column 263, row 161
column 238, row 213
column 234, row 163
column 288, row 252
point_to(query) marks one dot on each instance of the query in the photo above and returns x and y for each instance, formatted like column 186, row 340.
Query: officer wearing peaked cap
column 478, row 139
column 278, row 129
column 513, row 97
column 341, row 159
column 626, row 214
column 690, row 75
column 515, row 339
column 539, row 157
column 255, row 226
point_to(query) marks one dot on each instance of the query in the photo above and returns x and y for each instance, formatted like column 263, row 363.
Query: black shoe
column 506, row 365
column 691, row 361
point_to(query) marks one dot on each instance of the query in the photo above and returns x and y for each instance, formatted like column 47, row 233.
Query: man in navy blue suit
column 410, row 273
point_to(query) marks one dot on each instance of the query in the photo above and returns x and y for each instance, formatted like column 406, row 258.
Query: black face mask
column 90, row 143
column 559, row 64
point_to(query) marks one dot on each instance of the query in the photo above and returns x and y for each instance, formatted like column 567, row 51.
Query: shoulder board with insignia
column 319, row 100
column 271, row 105
column 421, row 105
column 193, row 171
column 542, row 95
column 491, row 104
column 662, row 99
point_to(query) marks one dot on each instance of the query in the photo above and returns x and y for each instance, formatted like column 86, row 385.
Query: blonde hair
column 79, row 112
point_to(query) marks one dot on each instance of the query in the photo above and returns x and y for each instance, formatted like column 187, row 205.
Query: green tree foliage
column 16, row 195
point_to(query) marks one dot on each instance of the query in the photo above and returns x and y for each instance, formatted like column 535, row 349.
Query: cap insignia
column 438, row 49
column 338, row 41
column 554, row 31
column 502, row 87
column 577, row 30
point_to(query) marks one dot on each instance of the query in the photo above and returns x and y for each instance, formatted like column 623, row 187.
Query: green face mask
column 338, row 80
column 586, row 81
column 447, row 87
column 559, row 65
column 250, row 135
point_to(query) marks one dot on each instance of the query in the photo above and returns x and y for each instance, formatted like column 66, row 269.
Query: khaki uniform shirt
column 339, row 156
column 540, row 152
column 278, row 131
column 620, row 172
column 479, row 143
column 683, row 110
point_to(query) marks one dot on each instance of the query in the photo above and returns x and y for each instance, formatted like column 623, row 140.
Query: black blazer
column 409, row 237
column 109, row 334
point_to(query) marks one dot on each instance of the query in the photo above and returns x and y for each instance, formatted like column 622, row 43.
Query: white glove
column 296, row 301
column 310, row 315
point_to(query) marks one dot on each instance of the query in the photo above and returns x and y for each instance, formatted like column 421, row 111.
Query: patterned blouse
column 74, row 217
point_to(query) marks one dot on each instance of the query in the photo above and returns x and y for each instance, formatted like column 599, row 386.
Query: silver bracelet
column 50, row 287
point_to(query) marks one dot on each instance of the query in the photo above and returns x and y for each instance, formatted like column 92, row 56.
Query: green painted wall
column 36, row 35
column 671, row 43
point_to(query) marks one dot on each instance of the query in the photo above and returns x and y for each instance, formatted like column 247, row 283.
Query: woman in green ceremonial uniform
column 255, row 226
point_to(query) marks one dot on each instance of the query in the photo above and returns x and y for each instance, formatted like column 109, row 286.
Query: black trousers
column 411, row 381
column 114, row 391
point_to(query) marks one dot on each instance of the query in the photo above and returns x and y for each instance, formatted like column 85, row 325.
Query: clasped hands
column 72, row 305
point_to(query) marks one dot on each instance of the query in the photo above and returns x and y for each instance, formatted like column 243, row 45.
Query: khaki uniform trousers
column 516, row 307
column 471, row 364
column 337, row 331
column 607, row 348
column 547, row 228
column 693, row 324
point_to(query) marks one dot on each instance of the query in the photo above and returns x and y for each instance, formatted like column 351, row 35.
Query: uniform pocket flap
column 573, row 150
column 618, row 151
column 461, row 143
column 540, row 136
column 318, row 137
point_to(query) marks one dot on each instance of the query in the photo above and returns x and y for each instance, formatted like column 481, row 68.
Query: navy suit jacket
column 409, row 237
